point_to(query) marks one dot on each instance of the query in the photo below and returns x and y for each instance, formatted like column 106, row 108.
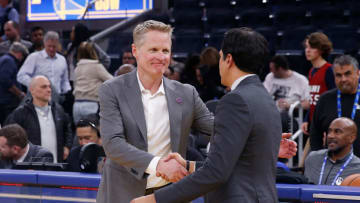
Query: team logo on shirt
column 339, row 180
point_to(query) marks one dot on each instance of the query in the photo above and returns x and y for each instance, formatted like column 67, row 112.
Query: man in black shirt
column 86, row 132
column 340, row 102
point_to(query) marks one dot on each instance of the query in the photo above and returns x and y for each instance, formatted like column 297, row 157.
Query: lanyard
column 338, row 173
column 354, row 106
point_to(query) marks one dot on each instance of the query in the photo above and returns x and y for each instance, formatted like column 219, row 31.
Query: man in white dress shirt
column 48, row 63
column 144, row 117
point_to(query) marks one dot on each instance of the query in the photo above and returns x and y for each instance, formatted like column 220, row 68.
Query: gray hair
column 344, row 60
column 149, row 25
column 17, row 47
column 51, row 35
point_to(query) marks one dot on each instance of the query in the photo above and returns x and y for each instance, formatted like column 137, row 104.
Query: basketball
column 352, row 180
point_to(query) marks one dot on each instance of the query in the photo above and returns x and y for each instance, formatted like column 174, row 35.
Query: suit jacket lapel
column 174, row 102
column 133, row 96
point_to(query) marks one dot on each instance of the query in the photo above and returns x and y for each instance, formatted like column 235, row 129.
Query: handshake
column 173, row 167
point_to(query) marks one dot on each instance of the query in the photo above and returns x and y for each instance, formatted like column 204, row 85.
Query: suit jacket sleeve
column 316, row 134
column 232, row 128
column 113, row 136
column 45, row 155
column 203, row 119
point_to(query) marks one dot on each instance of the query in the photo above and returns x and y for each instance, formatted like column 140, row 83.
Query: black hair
column 92, row 121
column 82, row 34
column 248, row 48
column 36, row 28
column 280, row 61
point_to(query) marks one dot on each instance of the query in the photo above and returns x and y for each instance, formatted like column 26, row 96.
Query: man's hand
column 66, row 153
column 283, row 104
column 145, row 199
column 305, row 128
column 177, row 157
column 288, row 148
column 171, row 170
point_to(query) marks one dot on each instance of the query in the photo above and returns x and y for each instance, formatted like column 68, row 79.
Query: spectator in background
column 48, row 63
column 210, row 57
column 81, row 33
column 128, row 58
column 331, row 166
column 286, row 87
column 178, row 68
column 87, row 131
column 12, row 33
column 205, row 86
column 44, row 121
column 37, row 38
column 340, row 102
column 188, row 76
column 15, row 147
column 10, row 91
column 125, row 68
column 89, row 75
column 7, row 12
column 321, row 78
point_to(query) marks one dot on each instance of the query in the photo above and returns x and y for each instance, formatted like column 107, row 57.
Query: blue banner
column 49, row 10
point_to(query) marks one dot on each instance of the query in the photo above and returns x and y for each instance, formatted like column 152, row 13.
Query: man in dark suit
column 15, row 147
column 241, row 164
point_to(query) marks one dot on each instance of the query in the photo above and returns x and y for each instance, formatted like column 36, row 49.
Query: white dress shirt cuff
column 151, row 169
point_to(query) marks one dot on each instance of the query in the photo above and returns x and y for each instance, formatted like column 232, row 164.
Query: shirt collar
column 161, row 89
column 46, row 55
column 237, row 81
column 339, row 160
column 21, row 159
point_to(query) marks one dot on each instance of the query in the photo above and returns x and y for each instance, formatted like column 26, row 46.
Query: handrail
column 298, row 134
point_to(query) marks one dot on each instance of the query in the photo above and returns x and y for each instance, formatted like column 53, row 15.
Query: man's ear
column 352, row 138
column 229, row 60
column 134, row 50
column 15, row 148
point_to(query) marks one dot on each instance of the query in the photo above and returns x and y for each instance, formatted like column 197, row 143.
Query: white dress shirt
column 158, row 130
column 47, row 130
column 237, row 81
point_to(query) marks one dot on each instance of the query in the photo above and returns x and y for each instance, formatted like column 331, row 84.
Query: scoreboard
column 61, row 10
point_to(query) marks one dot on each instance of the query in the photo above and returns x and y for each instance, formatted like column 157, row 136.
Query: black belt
column 152, row 190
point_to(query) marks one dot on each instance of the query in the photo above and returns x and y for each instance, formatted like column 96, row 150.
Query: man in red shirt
column 321, row 78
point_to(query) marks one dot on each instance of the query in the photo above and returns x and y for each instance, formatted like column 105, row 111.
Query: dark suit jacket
column 241, row 164
column 40, row 153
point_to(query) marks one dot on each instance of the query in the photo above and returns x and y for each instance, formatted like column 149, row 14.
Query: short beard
column 337, row 150
column 5, row 158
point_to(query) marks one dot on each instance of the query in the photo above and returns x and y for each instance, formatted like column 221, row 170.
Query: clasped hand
column 172, row 168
